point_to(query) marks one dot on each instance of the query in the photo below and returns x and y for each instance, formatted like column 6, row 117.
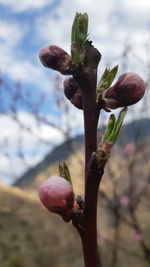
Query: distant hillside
column 32, row 237
column 138, row 131
column 59, row 154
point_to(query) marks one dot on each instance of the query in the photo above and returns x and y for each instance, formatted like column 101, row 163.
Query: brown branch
column 86, row 222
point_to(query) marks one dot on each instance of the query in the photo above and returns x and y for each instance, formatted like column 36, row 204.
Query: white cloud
column 56, row 26
column 111, row 24
column 25, row 5
column 10, row 169
column 24, row 71
column 73, row 119
column 136, row 6
column 38, row 131
column 11, row 34
column 46, row 132
column 14, row 140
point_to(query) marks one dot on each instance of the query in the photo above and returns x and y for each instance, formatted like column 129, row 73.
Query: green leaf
column 64, row 172
column 106, row 80
column 117, row 127
column 79, row 37
column 79, row 28
column 112, row 131
column 119, row 123
column 61, row 173
column 112, row 75
column 110, row 127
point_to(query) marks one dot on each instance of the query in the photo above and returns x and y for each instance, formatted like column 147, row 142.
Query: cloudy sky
column 26, row 26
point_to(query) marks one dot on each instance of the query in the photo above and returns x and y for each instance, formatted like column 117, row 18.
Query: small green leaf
column 112, row 75
column 64, row 172
column 110, row 127
column 60, row 170
column 117, row 127
column 106, row 80
column 112, row 131
column 79, row 37
column 79, row 28
column 119, row 123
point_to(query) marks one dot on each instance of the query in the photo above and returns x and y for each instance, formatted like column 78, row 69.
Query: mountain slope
column 32, row 237
column 72, row 152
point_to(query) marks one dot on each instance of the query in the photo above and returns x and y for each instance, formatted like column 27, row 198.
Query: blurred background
column 40, row 128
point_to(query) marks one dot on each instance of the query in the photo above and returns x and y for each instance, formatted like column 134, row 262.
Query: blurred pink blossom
column 124, row 201
column 118, row 149
column 101, row 236
column 136, row 236
column 129, row 148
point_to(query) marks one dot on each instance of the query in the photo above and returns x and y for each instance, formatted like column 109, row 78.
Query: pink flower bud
column 73, row 92
column 128, row 90
column 57, row 196
column 55, row 58
column 76, row 100
column 70, row 87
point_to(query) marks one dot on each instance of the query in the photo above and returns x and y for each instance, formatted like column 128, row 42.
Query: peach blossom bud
column 128, row 90
column 57, row 196
column 76, row 100
column 73, row 92
column 55, row 58
column 70, row 87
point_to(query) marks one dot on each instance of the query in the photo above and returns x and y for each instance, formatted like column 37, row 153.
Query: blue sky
column 26, row 26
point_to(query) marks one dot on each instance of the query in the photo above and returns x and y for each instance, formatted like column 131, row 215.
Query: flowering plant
column 85, row 93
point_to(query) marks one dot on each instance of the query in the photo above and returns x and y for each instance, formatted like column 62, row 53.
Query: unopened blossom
column 128, row 90
column 57, row 196
column 73, row 93
column 55, row 58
